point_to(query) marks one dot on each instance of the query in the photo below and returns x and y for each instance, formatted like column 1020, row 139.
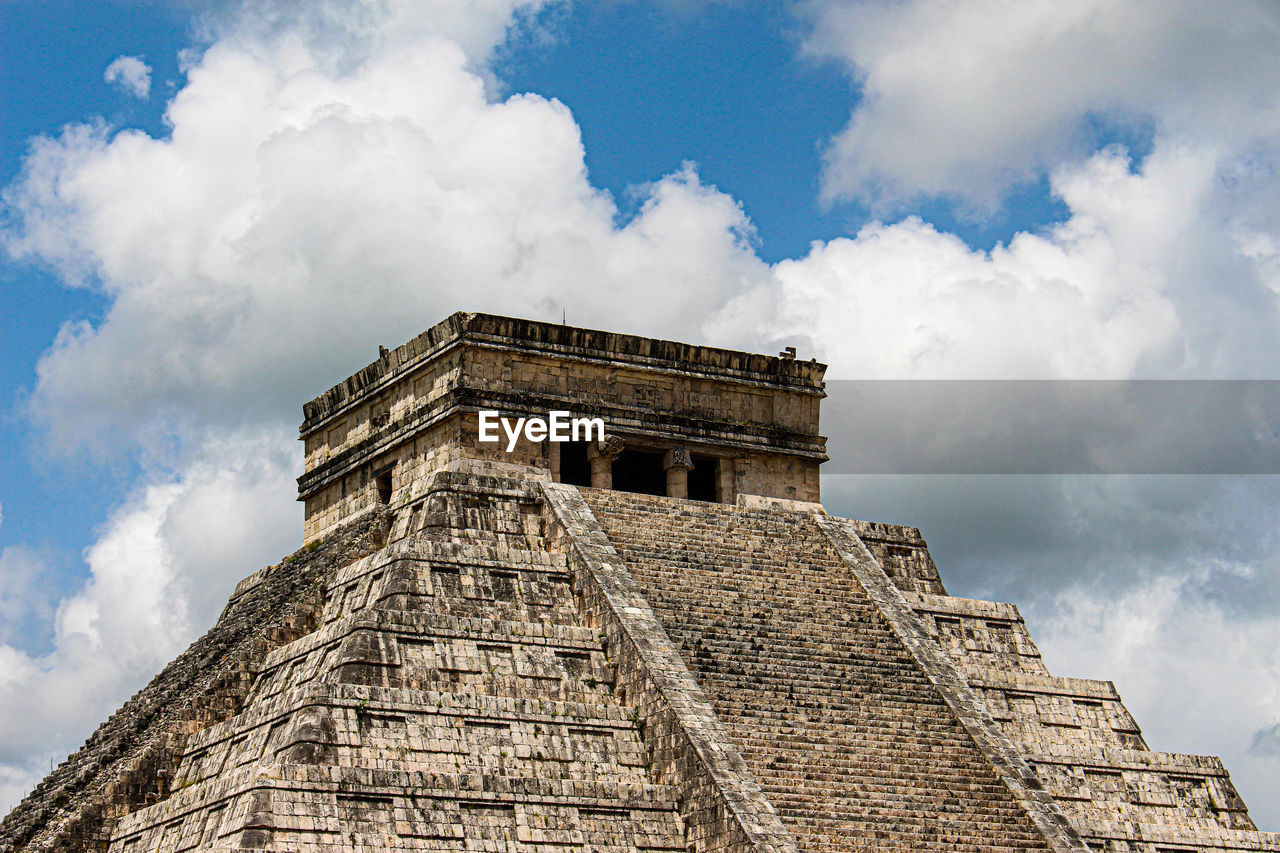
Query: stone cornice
column 565, row 343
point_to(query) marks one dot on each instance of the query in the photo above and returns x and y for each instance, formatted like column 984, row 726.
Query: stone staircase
column 451, row 699
column 844, row 732
column 847, row 734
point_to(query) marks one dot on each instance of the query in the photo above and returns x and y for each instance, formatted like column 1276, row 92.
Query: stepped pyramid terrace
column 654, row 639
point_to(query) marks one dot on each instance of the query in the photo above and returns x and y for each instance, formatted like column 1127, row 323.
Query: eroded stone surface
column 451, row 698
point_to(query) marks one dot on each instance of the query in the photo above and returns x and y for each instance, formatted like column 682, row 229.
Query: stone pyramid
column 657, row 640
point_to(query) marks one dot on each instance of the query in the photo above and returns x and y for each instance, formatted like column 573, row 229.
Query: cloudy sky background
column 214, row 211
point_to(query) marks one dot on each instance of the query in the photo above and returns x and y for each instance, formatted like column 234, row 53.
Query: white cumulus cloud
column 1151, row 275
column 159, row 573
column 1166, row 265
column 131, row 74
column 967, row 98
column 300, row 214
column 24, row 600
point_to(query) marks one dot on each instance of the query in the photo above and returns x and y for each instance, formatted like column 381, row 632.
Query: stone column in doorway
column 678, row 464
column 601, row 455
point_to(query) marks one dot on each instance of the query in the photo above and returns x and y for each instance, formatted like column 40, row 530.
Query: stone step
column 398, row 700
column 1130, row 759
column 470, row 553
column 951, row 605
column 406, row 740
column 419, row 623
column 398, row 809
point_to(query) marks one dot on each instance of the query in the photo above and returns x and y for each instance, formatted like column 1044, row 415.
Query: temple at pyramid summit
column 650, row 638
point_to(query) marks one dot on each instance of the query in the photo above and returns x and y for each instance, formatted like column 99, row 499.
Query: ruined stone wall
column 393, row 401
column 561, row 343
column 903, row 555
column 515, row 669
column 411, row 464
column 1084, row 744
column 467, row 656
column 643, row 395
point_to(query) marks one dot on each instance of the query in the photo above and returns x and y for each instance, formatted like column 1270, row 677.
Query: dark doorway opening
column 382, row 481
column 704, row 479
column 639, row 471
column 575, row 468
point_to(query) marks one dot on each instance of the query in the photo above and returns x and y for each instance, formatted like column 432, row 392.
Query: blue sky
column 51, row 63
column 998, row 190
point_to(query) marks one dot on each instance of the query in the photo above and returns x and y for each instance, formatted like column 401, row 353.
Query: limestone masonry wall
column 1084, row 744
column 523, row 669
column 449, row 698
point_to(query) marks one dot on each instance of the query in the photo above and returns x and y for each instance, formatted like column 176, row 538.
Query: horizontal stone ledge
column 463, row 787
column 990, row 678
column 626, row 421
column 1199, row 838
column 1108, row 758
column 359, row 697
column 567, row 343
column 950, row 605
